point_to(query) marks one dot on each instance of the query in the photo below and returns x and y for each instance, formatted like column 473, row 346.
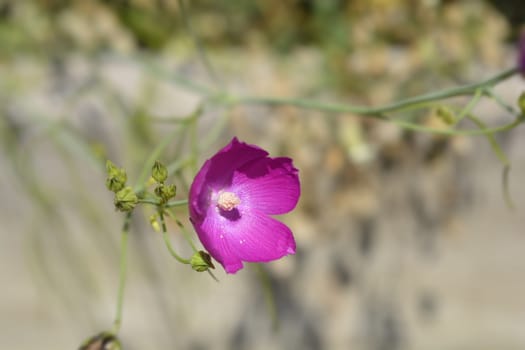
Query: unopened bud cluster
column 125, row 198
column 117, row 177
column 165, row 192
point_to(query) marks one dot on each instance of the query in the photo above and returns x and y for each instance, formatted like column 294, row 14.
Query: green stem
column 452, row 132
column 167, row 241
column 179, row 203
column 503, row 159
column 194, row 144
column 170, row 204
column 374, row 112
column 123, row 272
column 264, row 278
column 153, row 157
column 492, row 140
column 489, row 92
column 162, row 73
column 185, row 233
column 200, row 48
column 468, row 108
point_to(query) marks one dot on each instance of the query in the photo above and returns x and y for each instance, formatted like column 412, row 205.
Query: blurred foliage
column 443, row 34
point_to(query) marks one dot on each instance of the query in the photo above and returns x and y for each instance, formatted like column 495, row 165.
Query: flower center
column 227, row 201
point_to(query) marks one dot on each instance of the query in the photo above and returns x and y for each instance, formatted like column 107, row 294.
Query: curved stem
column 167, row 241
column 185, row 233
column 123, row 272
column 468, row 108
column 503, row 159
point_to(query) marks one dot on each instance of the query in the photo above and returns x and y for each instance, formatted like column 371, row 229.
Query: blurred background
column 404, row 240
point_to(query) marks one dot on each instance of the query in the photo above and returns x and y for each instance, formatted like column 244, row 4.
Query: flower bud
column 116, row 178
column 201, row 261
column 126, row 199
column 154, row 223
column 165, row 192
column 102, row 341
column 159, row 172
column 446, row 115
column 521, row 103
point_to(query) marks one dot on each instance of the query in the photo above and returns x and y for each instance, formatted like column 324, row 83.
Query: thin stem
column 194, row 143
column 213, row 134
column 264, row 278
column 374, row 112
column 489, row 92
column 167, row 241
column 225, row 99
column 492, row 140
column 154, row 156
column 200, row 48
column 506, row 187
column 179, row 203
column 503, row 159
column 186, row 234
column 170, row 204
column 161, row 73
column 123, row 272
column 468, row 108
column 452, row 132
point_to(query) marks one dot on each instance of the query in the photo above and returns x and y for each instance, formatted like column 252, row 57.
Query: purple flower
column 231, row 200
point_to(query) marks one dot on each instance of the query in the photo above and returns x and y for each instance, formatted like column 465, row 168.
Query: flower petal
column 257, row 237
column 233, row 156
column 213, row 236
column 270, row 185
column 217, row 173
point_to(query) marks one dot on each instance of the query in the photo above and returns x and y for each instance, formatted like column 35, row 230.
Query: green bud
column 159, row 172
column 201, row 261
column 116, row 178
column 165, row 192
column 102, row 341
column 126, row 199
column 521, row 103
column 446, row 115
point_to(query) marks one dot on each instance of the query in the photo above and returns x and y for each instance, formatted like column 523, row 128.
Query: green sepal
column 126, row 199
column 102, row 341
column 201, row 261
column 159, row 172
column 446, row 115
column 165, row 192
column 116, row 177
